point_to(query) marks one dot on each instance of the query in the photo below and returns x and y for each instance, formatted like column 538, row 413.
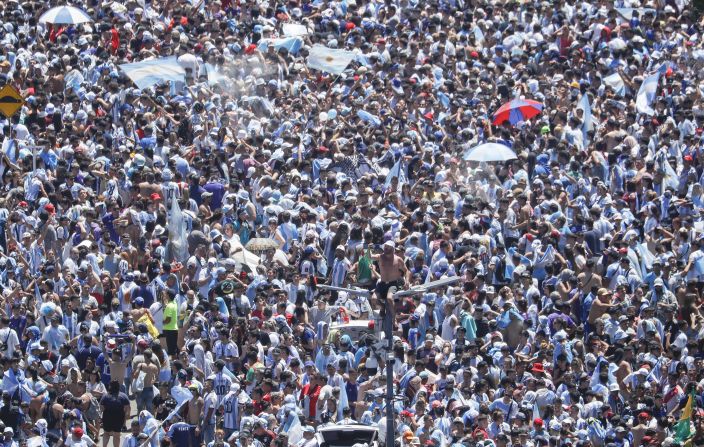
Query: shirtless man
column 524, row 214
column 150, row 370
column 588, row 278
column 118, row 366
column 624, row 369
column 392, row 270
column 195, row 407
column 600, row 306
column 639, row 427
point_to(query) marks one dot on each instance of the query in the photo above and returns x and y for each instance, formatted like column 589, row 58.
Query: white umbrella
column 489, row 152
column 65, row 15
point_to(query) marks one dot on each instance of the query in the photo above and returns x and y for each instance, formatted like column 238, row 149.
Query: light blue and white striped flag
column 536, row 409
column 37, row 293
column 478, row 35
column 699, row 267
column 398, row 170
column 368, row 117
column 329, row 60
column 73, row 80
column 616, row 82
column 292, row 44
column 627, row 13
column 588, row 123
column 155, row 71
column 547, row 258
column 646, row 94
column 214, row 75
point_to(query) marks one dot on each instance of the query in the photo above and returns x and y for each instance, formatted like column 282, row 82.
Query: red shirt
column 259, row 314
column 313, row 393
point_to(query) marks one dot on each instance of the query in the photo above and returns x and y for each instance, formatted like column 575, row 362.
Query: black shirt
column 157, row 402
column 11, row 416
column 115, row 406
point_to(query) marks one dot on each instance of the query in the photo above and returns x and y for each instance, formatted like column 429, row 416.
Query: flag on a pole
column 683, row 428
column 396, row 171
column 587, row 124
column 329, row 60
column 646, row 94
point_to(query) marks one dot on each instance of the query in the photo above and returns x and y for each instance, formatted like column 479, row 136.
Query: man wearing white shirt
column 8, row 338
column 309, row 439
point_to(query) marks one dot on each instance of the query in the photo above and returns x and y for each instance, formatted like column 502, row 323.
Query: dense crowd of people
column 211, row 262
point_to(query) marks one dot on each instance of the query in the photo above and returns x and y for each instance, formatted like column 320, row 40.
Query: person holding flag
column 683, row 429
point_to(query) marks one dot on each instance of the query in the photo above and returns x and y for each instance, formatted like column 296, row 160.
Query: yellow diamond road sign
column 10, row 101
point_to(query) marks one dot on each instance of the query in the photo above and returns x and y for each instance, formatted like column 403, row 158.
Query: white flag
column 178, row 244
column 328, row 59
column 616, row 82
column 294, row 29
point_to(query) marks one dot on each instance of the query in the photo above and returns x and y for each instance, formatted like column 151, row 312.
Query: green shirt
column 364, row 269
column 171, row 311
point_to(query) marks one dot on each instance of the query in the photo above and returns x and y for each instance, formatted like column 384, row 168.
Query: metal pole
column 388, row 331
column 360, row 292
column 389, row 334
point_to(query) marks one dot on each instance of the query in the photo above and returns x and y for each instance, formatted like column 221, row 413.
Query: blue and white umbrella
column 489, row 152
column 65, row 15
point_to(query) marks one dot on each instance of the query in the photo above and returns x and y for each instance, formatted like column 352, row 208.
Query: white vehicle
column 348, row 435
column 357, row 328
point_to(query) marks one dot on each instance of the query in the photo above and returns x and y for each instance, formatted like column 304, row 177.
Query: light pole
column 388, row 333
column 388, row 324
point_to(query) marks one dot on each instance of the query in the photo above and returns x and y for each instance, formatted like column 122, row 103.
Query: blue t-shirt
column 183, row 435
column 102, row 363
column 218, row 190
column 84, row 353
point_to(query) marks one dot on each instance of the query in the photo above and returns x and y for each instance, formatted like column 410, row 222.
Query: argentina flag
column 154, row 71
column 616, row 82
column 588, row 123
column 329, row 60
column 646, row 94
column 398, row 170
column 292, row 44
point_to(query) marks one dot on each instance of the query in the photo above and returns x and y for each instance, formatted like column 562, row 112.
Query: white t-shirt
column 157, row 311
column 85, row 441
column 210, row 401
column 8, row 336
